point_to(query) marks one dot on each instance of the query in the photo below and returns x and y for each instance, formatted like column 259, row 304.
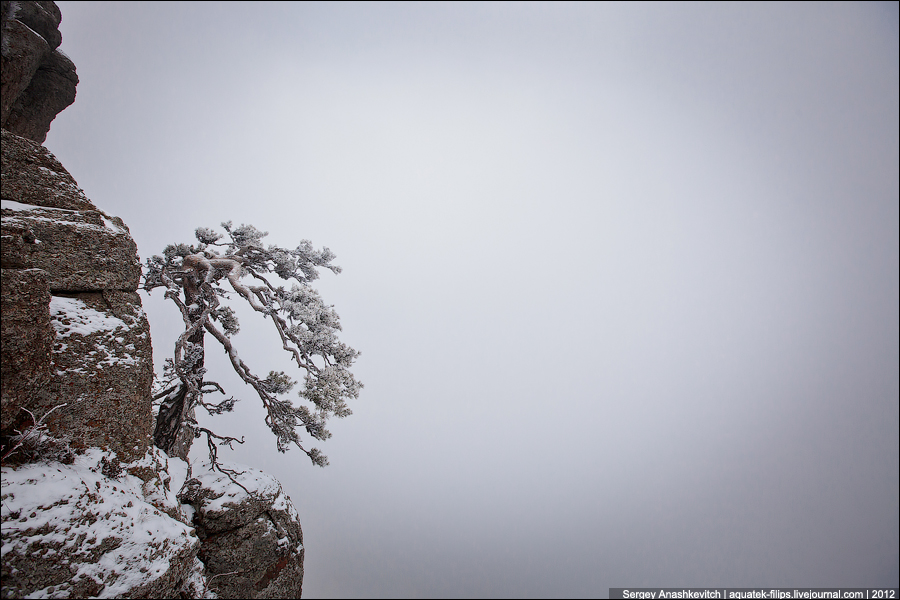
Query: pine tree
column 200, row 279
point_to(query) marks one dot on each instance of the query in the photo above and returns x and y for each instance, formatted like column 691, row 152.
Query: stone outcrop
column 32, row 175
column 38, row 80
column 251, row 541
column 57, row 244
column 59, row 251
column 90, row 507
column 81, row 251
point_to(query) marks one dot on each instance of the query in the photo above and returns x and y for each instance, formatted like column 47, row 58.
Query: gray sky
column 624, row 277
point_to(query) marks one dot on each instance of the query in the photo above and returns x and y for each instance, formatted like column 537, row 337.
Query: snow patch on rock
column 109, row 527
column 223, row 491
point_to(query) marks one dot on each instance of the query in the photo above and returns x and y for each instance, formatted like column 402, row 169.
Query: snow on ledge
column 16, row 206
column 80, row 318
column 21, row 207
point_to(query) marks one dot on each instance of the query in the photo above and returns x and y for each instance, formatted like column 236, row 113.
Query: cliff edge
column 89, row 506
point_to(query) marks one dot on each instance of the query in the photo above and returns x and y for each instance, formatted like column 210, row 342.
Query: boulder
column 80, row 250
column 251, row 540
column 52, row 89
column 32, row 175
column 38, row 81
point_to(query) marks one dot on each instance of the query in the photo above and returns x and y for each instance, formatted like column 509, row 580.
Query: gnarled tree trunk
column 178, row 407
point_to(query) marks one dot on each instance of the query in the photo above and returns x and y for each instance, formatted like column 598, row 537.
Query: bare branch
column 32, row 433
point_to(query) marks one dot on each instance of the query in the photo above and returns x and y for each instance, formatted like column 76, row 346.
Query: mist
column 624, row 277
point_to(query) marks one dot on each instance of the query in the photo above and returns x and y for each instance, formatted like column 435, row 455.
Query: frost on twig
column 198, row 278
column 34, row 443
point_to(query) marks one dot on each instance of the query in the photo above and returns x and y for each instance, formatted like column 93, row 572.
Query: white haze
column 624, row 277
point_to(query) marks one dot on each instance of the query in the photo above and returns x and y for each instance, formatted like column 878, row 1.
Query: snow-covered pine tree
column 199, row 279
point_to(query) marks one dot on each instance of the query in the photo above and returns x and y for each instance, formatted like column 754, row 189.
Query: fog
column 624, row 277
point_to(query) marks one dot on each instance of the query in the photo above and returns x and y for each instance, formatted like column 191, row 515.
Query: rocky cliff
column 90, row 506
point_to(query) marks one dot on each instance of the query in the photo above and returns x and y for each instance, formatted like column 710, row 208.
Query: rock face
column 38, row 80
column 90, row 506
column 251, row 541
column 59, row 251
column 82, row 250
column 70, row 275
